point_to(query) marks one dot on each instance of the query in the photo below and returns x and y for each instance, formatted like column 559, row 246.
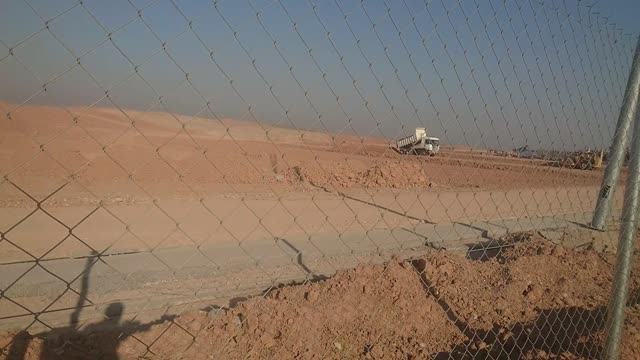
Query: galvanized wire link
column 165, row 158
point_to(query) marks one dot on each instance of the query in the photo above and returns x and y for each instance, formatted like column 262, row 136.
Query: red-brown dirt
column 535, row 300
column 147, row 172
column 113, row 153
column 374, row 311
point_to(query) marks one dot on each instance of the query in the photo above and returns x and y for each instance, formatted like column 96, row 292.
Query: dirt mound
column 536, row 300
column 385, row 175
column 386, row 303
column 392, row 175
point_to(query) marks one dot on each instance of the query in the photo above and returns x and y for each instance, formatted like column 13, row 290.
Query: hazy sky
column 624, row 13
column 483, row 73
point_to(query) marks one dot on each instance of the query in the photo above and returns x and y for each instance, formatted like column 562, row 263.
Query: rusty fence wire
column 169, row 167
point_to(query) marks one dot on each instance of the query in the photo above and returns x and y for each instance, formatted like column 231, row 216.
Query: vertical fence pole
column 626, row 243
column 617, row 152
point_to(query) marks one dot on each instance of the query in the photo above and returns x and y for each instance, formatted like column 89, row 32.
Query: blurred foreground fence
column 166, row 156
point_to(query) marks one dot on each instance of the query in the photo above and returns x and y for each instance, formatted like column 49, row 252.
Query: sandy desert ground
column 168, row 200
column 535, row 300
column 98, row 173
column 107, row 150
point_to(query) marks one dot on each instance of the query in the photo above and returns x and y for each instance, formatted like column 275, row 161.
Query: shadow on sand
column 567, row 331
column 99, row 340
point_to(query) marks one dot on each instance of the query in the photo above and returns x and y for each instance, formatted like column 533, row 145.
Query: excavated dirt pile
column 534, row 300
column 384, row 175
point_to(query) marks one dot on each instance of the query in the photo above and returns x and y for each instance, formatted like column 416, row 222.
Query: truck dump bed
column 407, row 141
column 413, row 139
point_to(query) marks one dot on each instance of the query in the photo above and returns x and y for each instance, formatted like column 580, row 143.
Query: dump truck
column 418, row 144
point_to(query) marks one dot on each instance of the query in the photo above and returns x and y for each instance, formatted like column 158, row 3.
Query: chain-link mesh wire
column 167, row 158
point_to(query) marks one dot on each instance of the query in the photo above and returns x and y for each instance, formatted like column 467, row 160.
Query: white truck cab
column 432, row 145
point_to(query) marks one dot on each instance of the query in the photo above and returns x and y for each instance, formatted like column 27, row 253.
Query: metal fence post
column 617, row 152
column 626, row 243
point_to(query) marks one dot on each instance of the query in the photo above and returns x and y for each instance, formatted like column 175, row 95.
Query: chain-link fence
column 308, row 179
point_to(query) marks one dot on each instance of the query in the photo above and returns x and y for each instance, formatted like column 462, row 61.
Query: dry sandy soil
column 103, row 172
column 80, row 180
column 534, row 300
column 132, row 156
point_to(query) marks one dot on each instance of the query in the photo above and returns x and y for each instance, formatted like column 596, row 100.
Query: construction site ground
column 533, row 299
column 229, row 208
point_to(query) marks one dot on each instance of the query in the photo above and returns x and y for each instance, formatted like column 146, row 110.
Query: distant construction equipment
column 419, row 144
column 584, row 160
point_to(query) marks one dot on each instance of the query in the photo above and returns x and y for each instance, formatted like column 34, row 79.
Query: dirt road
column 242, row 218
